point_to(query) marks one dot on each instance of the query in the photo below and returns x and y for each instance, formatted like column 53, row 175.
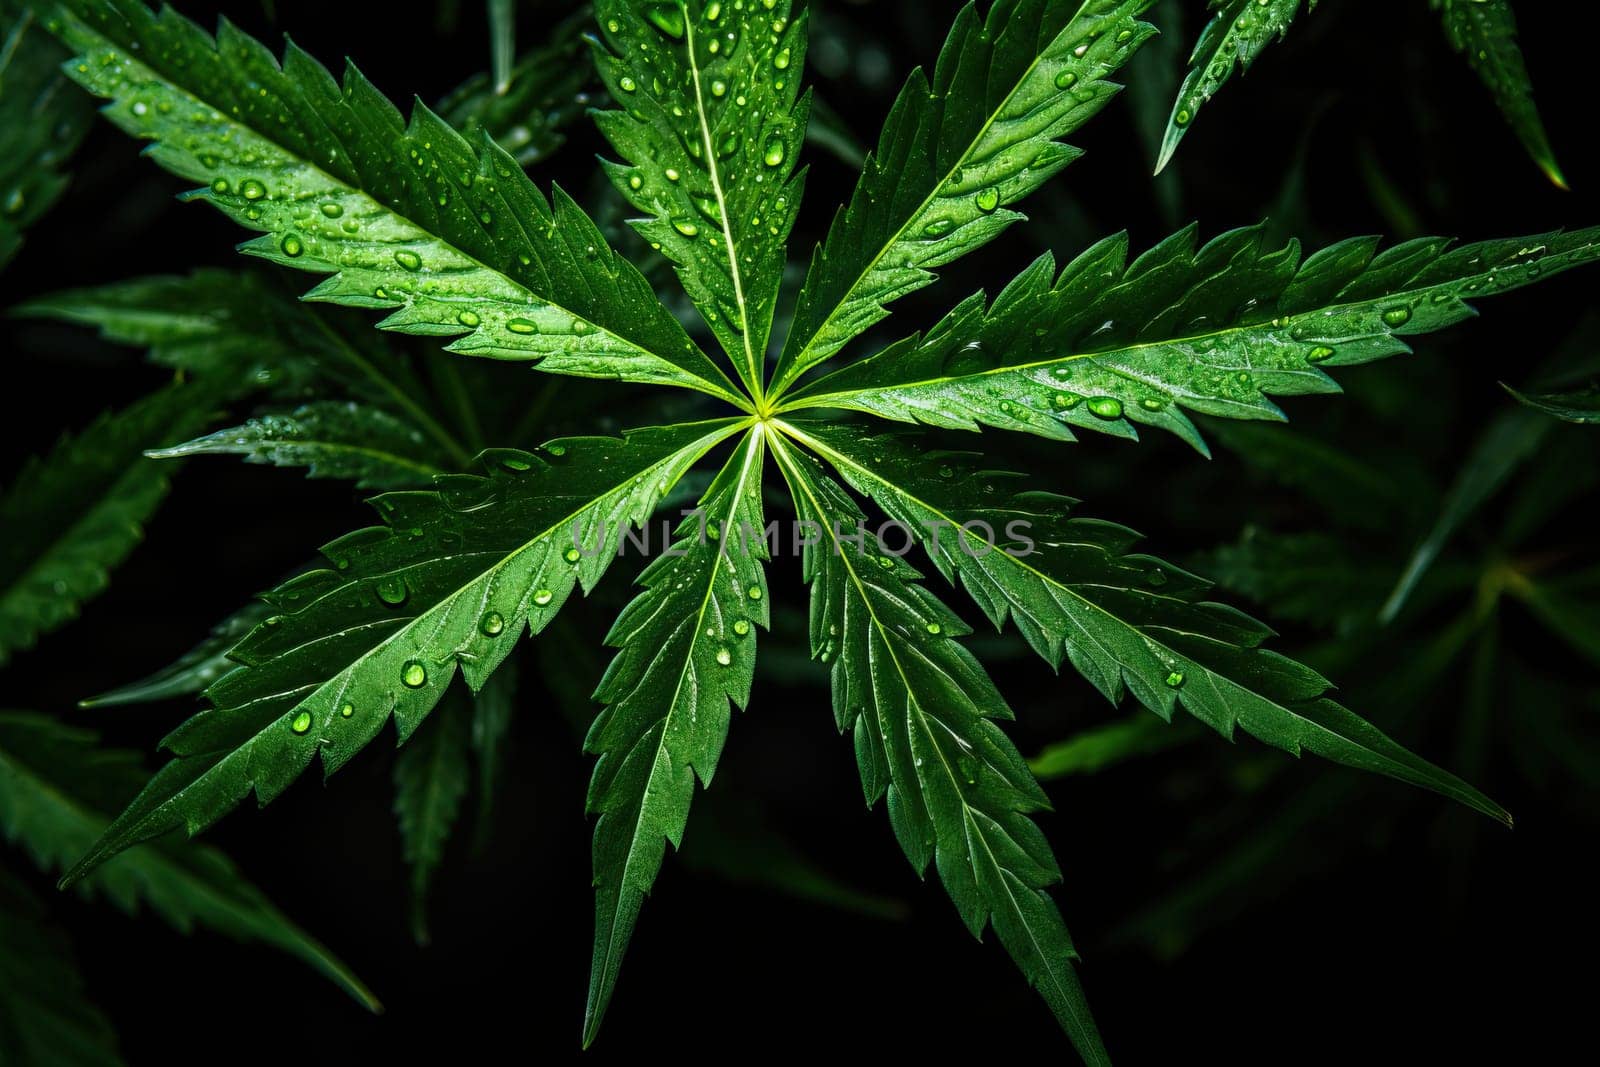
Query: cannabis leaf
column 1575, row 405
column 72, row 516
column 712, row 129
column 920, row 708
column 449, row 234
column 451, row 580
column 1485, row 32
column 1126, row 622
column 195, row 670
column 41, row 122
column 249, row 332
column 365, row 445
column 1106, row 344
column 55, row 782
column 687, row 648
column 1234, row 37
column 954, row 153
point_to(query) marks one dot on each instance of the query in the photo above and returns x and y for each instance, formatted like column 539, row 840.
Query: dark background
column 1396, row 950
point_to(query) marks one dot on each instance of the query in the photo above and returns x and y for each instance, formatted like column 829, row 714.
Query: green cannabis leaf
column 1575, row 405
column 72, row 516
column 1485, row 32
column 445, row 232
column 955, row 151
column 400, row 215
column 1237, row 33
column 1105, row 344
column 56, row 784
column 41, row 122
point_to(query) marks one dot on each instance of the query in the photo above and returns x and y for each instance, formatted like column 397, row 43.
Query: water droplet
column 939, row 227
column 781, row 60
column 1320, row 353
column 251, row 189
column 724, row 656
column 1182, row 118
column 220, row 187
column 1175, row 680
column 686, row 227
column 668, row 18
column 729, row 144
column 1106, row 407
column 719, row 88
column 987, row 199
column 754, row 592
column 741, row 626
column 292, row 246
column 1150, row 403
column 774, row 152
column 572, row 555
column 543, row 597
column 713, row 11
column 1066, row 79
column 408, row 259
column 935, row 628
column 522, row 326
column 414, row 674
column 392, row 591
column 1397, row 316
column 301, row 723
column 468, row 318
column 672, row 174
column 627, row 84
column 332, row 210
column 1065, row 401
column 491, row 624
column 346, row 710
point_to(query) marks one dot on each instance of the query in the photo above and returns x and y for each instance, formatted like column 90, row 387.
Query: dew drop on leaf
column 1106, row 407
column 543, row 597
column 301, row 723
column 414, row 675
column 491, row 624
column 392, row 591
